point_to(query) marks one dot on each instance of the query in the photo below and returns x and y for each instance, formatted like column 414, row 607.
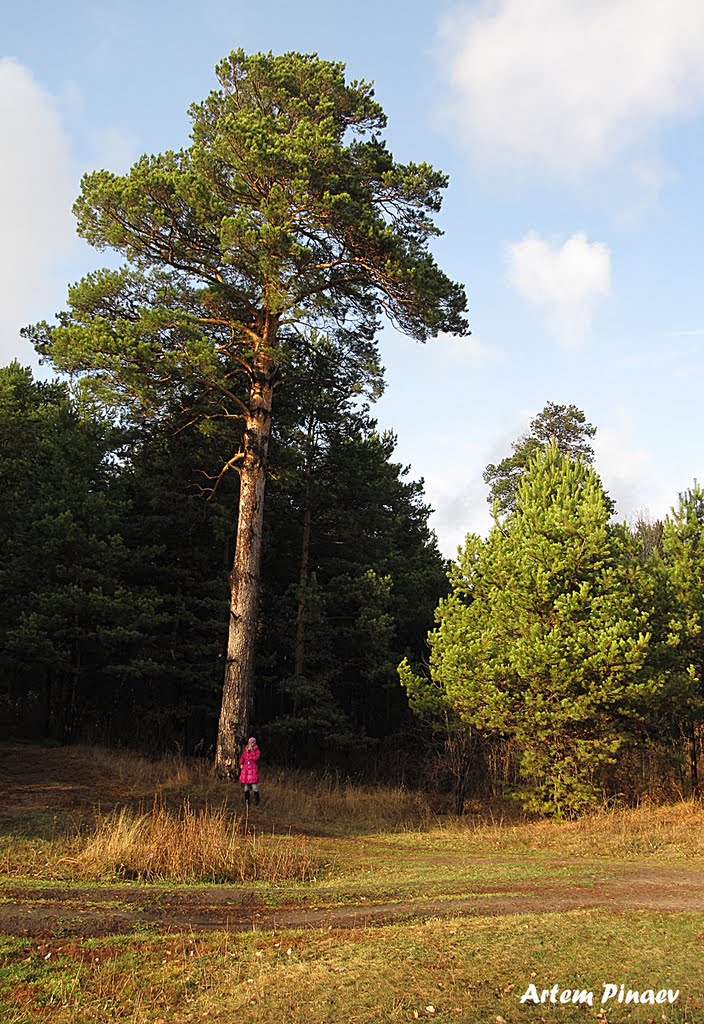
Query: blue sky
column 572, row 134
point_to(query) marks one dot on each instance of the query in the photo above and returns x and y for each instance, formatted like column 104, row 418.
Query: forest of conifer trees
column 565, row 663
column 114, row 581
column 204, row 532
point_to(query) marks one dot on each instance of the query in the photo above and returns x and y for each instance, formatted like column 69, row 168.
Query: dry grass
column 307, row 799
column 172, row 819
column 190, row 845
column 673, row 831
column 140, row 775
column 469, row 969
column 340, row 805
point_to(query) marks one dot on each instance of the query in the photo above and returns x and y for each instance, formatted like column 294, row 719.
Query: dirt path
column 60, row 781
column 90, row 911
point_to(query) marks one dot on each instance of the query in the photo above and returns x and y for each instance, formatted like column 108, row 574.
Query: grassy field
column 132, row 836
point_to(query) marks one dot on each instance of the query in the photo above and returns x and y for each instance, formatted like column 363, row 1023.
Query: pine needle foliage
column 546, row 637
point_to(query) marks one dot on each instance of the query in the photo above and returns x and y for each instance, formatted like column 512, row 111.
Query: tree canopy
column 547, row 635
column 564, row 425
column 286, row 212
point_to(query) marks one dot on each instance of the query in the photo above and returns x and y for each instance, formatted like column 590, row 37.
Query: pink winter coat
column 248, row 764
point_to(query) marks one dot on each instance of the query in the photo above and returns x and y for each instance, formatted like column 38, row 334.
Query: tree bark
column 693, row 759
column 299, row 642
column 238, row 687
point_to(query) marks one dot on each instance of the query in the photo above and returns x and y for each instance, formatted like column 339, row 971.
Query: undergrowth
column 172, row 819
column 669, row 830
column 190, row 845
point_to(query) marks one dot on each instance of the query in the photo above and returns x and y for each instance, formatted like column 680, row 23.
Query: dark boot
column 256, row 797
column 246, row 797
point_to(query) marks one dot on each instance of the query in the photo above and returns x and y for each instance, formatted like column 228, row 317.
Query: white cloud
column 624, row 469
column 38, row 183
column 569, row 84
column 460, row 511
column 564, row 280
column 468, row 351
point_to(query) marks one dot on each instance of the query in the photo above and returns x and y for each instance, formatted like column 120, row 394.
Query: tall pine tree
column 286, row 215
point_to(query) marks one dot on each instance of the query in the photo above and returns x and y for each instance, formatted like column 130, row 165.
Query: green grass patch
column 168, row 834
column 456, row 970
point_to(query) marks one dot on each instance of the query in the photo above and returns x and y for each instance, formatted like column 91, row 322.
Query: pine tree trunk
column 238, row 687
column 299, row 647
column 693, row 759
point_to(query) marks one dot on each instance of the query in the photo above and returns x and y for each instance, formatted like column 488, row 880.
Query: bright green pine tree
column 683, row 551
column 545, row 636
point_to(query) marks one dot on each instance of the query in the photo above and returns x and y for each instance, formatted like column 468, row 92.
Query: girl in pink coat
column 249, row 773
